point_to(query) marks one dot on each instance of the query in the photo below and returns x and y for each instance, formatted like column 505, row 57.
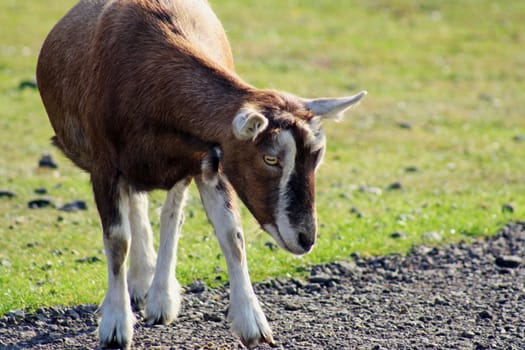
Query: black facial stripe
column 298, row 194
column 298, row 190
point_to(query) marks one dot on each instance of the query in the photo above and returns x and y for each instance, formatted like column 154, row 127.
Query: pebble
column 404, row 125
column 7, row 194
column 485, row 315
column 395, row 186
column 507, row 208
column 519, row 138
column 370, row 189
column 411, row 169
column 74, row 206
column 272, row 246
column 432, row 236
column 40, row 191
column 89, row 260
column 5, row 263
column 46, row 161
column 323, row 279
column 31, row 84
column 398, row 235
column 40, row 203
column 291, row 306
column 508, row 261
column 196, row 287
column 212, row 317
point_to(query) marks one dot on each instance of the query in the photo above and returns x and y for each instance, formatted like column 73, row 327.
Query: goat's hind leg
column 142, row 254
column 116, row 317
column 245, row 313
column 164, row 299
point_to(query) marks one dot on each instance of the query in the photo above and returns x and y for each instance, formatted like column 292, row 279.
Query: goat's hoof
column 116, row 336
column 163, row 305
column 161, row 318
column 114, row 344
column 263, row 338
column 115, row 327
column 250, row 325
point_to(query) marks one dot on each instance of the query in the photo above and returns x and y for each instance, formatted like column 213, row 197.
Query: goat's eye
column 273, row 161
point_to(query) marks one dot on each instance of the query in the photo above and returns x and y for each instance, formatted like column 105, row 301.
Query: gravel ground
column 464, row 296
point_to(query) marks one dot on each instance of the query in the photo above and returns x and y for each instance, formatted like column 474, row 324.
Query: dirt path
column 455, row 297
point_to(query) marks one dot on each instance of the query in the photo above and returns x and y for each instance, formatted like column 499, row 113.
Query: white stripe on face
column 284, row 233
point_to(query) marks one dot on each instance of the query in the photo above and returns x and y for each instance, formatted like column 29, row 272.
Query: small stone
column 395, row 186
column 440, row 301
column 40, row 191
column 7, row 194
column 290, row 290
column 27, row 84
column 272, row 246
column 16, row 315
column 5, row 263
column 485, row 315
column 40, row 203
column 89, row 260
column 57, row 252
column 323, row 279
column 370, row 189
column 47, row 162
column 291, row 306
column 432, row 236
column 197, row 287
column 357, row 212
column 398, row 235
column 411, row 169
column 73, row 314
column 508, row 261
column 519, row 138
column 212, row 317
column 467, row 335
column 74, row 206
column 507, row 208
column 404, row 125
column 314, row 287
column 299, row 283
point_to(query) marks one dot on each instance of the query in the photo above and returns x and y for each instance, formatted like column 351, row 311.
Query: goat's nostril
column 306, row 241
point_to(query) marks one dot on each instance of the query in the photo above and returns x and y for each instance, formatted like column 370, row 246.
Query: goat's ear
column 248, row 124
column 333, row 108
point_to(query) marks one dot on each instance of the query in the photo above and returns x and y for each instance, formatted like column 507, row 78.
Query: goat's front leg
column 142, row 254
column 163, row 300
column 116, row 320
column 245, row 313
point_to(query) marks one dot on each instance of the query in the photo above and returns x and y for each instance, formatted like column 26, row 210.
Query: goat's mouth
column 295, row 249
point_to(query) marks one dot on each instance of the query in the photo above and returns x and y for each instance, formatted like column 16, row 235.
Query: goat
column 143, row 95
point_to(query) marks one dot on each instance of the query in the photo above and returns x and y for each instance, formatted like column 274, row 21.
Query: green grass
column 454, row 70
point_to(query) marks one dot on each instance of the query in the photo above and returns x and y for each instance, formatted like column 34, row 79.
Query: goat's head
column 277, row 144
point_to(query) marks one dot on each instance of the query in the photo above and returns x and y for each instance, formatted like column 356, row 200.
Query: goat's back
column 70, row 68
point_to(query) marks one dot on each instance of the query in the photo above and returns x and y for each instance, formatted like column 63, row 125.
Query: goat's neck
column 204, row 100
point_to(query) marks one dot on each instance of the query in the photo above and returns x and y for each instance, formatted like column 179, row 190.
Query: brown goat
column 142, row 94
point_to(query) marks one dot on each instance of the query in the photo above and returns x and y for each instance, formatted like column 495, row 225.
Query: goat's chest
column 159, row 162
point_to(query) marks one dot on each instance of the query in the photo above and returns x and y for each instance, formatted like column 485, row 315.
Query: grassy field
column 444, row 118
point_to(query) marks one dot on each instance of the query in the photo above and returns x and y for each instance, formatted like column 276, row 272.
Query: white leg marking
column 163, row 301
column 142, row 254
column 117, row 319
column 245, row 313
